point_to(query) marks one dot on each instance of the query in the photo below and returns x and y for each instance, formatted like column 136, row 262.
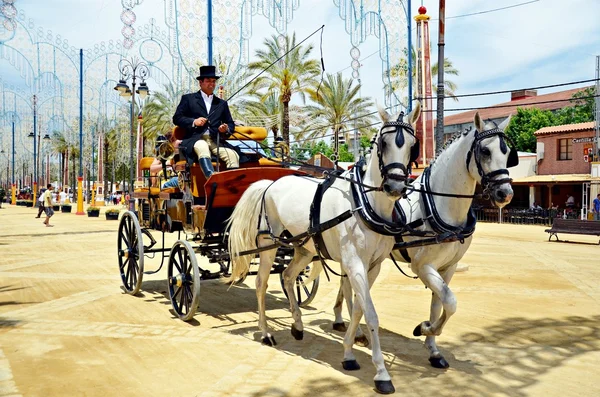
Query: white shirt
column 63, row 197
column 207, row 100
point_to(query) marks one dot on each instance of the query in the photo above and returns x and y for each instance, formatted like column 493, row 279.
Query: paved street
column 527, row 324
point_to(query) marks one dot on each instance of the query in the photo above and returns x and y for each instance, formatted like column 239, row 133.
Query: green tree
column 339, row 107
column 293, row 74
column 583, row 109
column 527, row 121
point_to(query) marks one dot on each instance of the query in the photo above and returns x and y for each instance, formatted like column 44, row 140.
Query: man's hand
column 223, row 128
column 200, row 121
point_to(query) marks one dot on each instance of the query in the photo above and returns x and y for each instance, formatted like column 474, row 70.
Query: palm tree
column 398, row 74
column 158, row 113
column 264, row 113
column 294, row 73
column 60, row 145
column 338, row 107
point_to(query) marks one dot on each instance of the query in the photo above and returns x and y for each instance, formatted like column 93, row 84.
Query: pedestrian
column 203, row 116
column 41, row 203
column 48, row 205
column 596, row 208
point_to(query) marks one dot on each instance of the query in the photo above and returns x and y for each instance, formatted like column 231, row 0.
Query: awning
column 560, row 178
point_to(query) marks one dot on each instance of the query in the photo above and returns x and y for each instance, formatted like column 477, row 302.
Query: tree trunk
column 286, row 122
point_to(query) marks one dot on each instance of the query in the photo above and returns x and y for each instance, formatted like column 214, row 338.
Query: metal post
column 34, row 137
column 14, row 196
column 131, row 200
column 93, row 162
column 409, row 47
column 439, row 135
column 597, row 140
column 80, row 177
column 209, row 35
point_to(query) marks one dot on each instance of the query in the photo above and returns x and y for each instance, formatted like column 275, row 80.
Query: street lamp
column 133, row 69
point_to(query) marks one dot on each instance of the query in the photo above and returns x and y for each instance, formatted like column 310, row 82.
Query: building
column 564, row 167
column 518, row 99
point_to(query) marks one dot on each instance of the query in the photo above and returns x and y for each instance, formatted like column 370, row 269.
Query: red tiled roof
column 507, row 108
column 566, row 128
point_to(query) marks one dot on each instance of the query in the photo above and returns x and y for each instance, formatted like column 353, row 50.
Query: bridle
column 414, row 151
column 487, row 179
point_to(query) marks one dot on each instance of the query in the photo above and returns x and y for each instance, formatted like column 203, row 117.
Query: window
column 565, row 149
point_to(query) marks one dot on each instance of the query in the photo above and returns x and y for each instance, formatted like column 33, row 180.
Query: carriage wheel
column 305, row 291
column 184, row 280
column 130, row 251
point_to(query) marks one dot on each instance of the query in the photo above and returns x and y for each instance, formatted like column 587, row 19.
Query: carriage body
column 198, row 208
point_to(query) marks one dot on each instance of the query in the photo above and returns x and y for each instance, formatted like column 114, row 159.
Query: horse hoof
column 350, row 365
column 417, row 331
column 361, row 341
column 298, row 335
column 340, row 327
column 439, row 362
column 384, row 387
column 269, row 341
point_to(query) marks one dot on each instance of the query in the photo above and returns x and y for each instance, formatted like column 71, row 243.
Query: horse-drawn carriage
column 199, row 208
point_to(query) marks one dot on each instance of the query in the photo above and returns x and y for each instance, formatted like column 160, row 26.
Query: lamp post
column 14, row 188
column 133, row 69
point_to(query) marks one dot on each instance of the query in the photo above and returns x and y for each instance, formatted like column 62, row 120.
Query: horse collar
column 368, row 215
column 434, row 218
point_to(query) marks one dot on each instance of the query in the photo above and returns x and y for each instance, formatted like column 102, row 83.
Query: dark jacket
column 190, row 108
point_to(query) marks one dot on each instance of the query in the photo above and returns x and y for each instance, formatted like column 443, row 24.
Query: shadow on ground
column 505, row 359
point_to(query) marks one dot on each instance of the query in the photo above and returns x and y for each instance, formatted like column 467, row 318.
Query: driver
column 203, row 115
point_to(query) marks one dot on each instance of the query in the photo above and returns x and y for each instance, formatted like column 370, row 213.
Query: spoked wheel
column 184, row 280
column 304, row 291
column 130, row 251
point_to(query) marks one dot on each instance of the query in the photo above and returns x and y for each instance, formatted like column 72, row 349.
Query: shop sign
column 583, row 140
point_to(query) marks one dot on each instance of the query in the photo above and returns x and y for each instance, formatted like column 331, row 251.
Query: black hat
column 208, row 71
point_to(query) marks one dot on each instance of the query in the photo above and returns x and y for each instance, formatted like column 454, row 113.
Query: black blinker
column 513, row 158
column 414, row 151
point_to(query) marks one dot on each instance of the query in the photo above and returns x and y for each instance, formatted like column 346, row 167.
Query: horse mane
column 455, row 137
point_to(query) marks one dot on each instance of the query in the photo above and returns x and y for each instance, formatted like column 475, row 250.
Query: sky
column 532, row 43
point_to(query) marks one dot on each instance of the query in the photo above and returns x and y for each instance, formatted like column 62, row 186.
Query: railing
column 523, row 216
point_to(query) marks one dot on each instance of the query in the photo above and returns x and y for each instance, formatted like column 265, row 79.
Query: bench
column 573, row 226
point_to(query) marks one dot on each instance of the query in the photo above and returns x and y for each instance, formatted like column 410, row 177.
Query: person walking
column 204, row 116
column 41, row 203
column 596, row 208
column 48, row 205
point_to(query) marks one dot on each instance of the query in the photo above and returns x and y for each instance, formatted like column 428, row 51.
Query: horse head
column 397, row 148
column 492, row 156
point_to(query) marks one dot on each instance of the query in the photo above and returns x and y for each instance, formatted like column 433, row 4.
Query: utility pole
column 439, row 133
column 597, row 101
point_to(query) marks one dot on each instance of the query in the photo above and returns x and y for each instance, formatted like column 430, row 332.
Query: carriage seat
column 143, row 191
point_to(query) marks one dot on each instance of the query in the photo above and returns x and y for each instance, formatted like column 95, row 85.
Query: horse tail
column 243, row 229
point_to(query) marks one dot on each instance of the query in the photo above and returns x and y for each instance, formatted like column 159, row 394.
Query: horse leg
column 344, row 293
column 441, row 297
column 264, row 271
column 360, row 285
column 301, row 258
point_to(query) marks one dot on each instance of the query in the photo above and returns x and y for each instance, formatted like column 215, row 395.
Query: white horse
column 284, row 205
column 471, row 158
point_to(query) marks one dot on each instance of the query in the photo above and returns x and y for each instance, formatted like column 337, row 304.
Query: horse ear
column 414, row 115
column 505, row 123
column 385, row 116
column 479, row 124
